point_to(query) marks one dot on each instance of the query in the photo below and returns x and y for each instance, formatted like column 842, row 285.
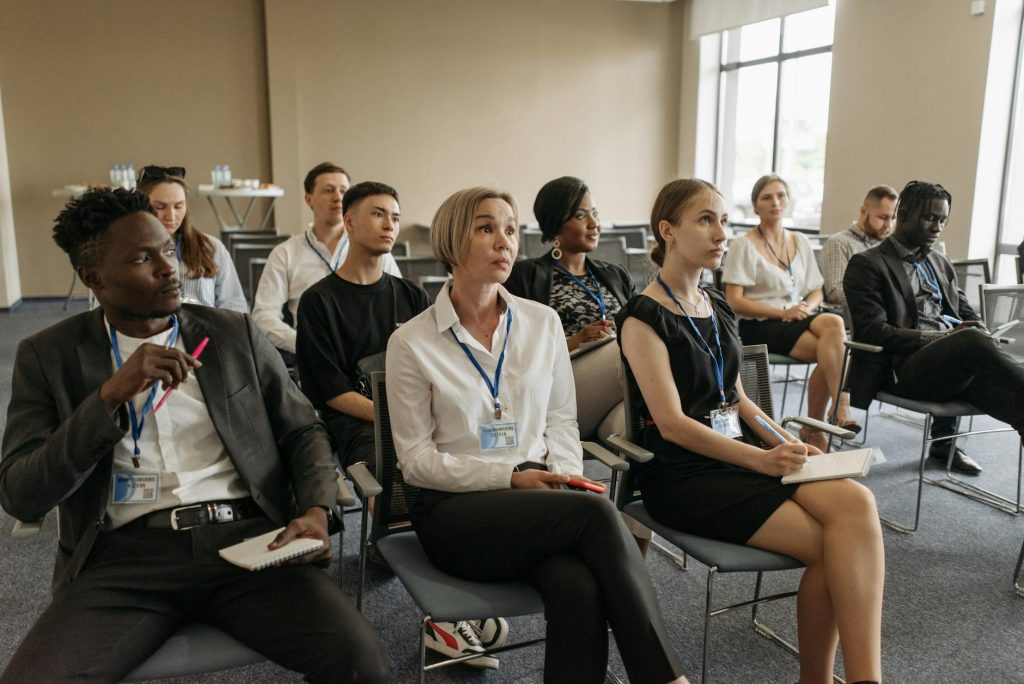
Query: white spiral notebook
column 252, row 554
column 833, row 466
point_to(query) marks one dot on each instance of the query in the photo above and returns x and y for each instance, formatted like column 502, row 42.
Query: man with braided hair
column 904, row 297
column 147, row 497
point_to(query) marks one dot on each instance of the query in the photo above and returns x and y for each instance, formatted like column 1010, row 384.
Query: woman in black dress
column 710, row 477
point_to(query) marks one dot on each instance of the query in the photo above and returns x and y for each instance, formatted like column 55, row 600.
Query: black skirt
column 780, row 336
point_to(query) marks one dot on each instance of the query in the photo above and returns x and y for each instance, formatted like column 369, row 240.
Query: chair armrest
column 24, row 530
column 345, row 495
column 366, row 485
column 834, row 430
column 605, row 456
column 861, row 346
column 633, row 451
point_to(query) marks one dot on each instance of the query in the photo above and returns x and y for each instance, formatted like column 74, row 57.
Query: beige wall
column 89, row 84
column 908, row 85
column 435, row 96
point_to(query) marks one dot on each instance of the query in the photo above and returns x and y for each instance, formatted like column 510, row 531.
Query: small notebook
column 834, row 466
column 252, row 554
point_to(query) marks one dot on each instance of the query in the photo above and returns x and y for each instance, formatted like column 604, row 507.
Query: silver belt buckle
column 221, row 513
column 174, row 516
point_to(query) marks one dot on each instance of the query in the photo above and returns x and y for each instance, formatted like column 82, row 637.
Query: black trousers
column 965, row 365
column 575, row 549
column 139, row 585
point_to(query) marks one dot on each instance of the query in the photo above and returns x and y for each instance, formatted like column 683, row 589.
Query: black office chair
column 718, row 556
column 931, row 410
column 439, row 596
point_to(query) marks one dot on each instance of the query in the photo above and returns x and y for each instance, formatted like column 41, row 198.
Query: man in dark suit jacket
column 904, row 297
column 147, row 499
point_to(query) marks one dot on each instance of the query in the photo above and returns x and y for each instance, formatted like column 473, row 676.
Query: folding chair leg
column 925, row 441
column 364, row 543
column 706, row 663
column 988, row 497
column 1016, row 575
column 803, row 390
column 423, row 648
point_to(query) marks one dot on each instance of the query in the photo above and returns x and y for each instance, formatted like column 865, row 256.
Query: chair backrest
column 970, row 274
column 392, row 508
column 414, row 267
column 255, row 237
column 400, row 249
column 256, row 267
column 1001, row 304
column 612, row 249
column 635, row 236
column 433, row 285
column 755, row 375
column 531, row 244
column 1016, row 269
column 241, row 254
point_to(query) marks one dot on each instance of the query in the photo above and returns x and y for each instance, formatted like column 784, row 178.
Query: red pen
column 195, row 355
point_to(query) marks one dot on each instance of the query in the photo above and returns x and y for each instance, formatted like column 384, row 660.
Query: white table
column 229, row 194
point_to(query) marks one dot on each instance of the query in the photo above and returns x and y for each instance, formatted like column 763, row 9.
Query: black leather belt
column 207, row 513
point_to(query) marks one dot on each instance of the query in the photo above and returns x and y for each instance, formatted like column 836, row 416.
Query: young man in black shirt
column 349, row 316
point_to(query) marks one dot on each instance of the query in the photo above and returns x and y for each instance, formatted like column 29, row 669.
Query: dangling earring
column 556, row 251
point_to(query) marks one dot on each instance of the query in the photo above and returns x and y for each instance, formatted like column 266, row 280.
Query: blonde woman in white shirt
column 483, row 415
column 773, row 283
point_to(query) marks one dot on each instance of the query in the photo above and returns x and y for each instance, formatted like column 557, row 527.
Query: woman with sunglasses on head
column 205, row 268
column 483, row 417
column 709, row 475
column 773, row 283
column 585, row 292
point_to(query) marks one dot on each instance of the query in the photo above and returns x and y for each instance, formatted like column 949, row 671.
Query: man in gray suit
column 146, row 498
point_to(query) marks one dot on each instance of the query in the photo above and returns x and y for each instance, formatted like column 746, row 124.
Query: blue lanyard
column 493, row 387
column 331, row 268
column 597, row 295
column 139, row 421
column 930, row 278
column 717, row 362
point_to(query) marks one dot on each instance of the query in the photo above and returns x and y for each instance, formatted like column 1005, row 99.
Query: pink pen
column 195, row 355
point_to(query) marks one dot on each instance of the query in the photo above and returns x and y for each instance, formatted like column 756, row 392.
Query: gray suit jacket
column 59, row 441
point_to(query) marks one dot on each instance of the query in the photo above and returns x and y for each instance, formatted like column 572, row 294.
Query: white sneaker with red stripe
column 454, row 639
column 492, row 632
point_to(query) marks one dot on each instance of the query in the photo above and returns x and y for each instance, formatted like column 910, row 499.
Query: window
column 773, row 110
column 1010, row 231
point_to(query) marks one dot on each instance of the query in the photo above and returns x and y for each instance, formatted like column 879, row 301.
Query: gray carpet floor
column 950, row 610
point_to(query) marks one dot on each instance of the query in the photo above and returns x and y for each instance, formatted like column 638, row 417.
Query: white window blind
column 713, row 16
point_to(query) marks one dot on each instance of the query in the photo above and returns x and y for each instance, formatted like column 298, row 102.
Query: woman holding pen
column 483, row 416
column 709, row 476
column 773, row 284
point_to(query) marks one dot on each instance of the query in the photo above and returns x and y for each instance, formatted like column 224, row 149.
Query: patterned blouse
column 575, row 307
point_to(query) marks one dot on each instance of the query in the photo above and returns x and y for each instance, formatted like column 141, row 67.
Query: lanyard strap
column 492, row 387
column 788, row 263
column 717, row 362
column 139, row 421
column 863, row 239
column 331, row 267
column 928, row 277
column 595, row 294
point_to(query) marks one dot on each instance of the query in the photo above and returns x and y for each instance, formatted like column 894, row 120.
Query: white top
column 768, row 281
column 223, row 290
column 179, row 441
column 438, row 401
column 291, row 268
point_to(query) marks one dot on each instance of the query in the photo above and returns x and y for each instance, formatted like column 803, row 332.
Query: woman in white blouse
column 205, row 268
column 773, row 284
column 483, row 416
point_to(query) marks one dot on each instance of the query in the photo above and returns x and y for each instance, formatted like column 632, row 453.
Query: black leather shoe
column 962, row 463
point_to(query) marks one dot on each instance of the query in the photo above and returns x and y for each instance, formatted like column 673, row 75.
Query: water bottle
column 227, row 176
column 131, row 177
column 113, row 175
column 215, row 176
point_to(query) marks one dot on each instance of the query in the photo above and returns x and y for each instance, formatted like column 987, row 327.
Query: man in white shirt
column 877, row 213
column 307, row 257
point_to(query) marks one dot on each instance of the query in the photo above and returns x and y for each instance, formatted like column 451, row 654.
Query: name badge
column 794, row 296
column 726, row 422
column 499, row 436
column 135, row 488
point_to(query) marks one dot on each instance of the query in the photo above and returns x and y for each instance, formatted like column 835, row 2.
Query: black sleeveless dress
column 682, row 488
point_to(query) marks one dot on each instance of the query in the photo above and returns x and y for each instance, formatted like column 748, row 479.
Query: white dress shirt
column 291, row 268
column 223, row 290
column 438, row 400
column 179, row 442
